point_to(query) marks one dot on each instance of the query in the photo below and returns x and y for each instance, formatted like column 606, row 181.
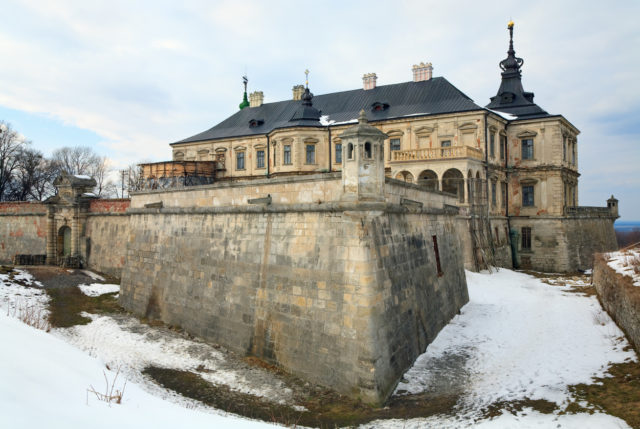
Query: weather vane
column 306, row 72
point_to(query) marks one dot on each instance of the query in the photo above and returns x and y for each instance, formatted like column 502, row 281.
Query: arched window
column 367, row 150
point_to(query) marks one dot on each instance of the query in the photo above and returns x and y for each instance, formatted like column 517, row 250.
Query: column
column 51, row 237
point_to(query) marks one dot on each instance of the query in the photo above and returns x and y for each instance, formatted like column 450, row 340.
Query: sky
column 128, row 78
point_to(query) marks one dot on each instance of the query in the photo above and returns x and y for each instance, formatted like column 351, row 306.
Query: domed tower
column 363, row 162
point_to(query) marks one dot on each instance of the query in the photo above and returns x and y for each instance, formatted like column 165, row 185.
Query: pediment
column 526, row 133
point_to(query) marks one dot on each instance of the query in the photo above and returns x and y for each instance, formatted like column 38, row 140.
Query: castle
column 328, row 234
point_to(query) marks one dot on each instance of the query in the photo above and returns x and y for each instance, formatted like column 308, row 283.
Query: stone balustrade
column 588, row 211
column 436, row 153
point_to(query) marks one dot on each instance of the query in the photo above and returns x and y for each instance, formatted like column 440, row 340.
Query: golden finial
column 306, row 73
column 510, row 25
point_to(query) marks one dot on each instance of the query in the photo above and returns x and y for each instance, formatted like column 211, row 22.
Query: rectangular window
column 311, row 154
column 394, row 144
column 286, row 154
column 526, row 238
column 493, row 194
column 437, row 252
column 527, row 148
column 503, row 146
column 492, row 145
column 573, row 154
column 338, row 153
column 260, row 159
column 504, row 195
column 445, row 143
column 240, row 161
column 564, row 148
column 527, row 196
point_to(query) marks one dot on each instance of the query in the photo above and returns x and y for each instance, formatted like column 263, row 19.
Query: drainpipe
column 329, row 169
column 268, row 157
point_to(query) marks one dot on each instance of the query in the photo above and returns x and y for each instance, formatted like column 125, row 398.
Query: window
column 240, row 161
column 492, row 145
column 527, row 148
column 367, row 150
column 445, row 143
column 497, row 236
column 493, row 194
column 286, row 154
column 311, row 154
column 275, row 152
column 564, row 148
column 527, row 196
column 339, row 153
column 350, row 151
column 526, row 238
column 394, row 144
column 503, row 146
column 437, row 252
column 504, row 195
column 573, row 153
column 260, row 159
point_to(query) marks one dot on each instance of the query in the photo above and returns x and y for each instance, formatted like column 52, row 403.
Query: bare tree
column 33, row 177
column 82, row 160
column 11, row 144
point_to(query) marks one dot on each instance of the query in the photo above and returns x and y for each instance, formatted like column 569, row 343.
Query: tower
column 363, row 162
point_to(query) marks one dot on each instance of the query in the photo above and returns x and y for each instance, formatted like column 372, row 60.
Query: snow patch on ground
column 93, row 275
column 125, row 342
column 626, row 262
column 45, row 382
column 16, row 299
column 519, row 338
column 97, row 289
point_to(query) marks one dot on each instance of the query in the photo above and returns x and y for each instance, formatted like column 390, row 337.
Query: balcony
column 428, row 154
column 586, row 211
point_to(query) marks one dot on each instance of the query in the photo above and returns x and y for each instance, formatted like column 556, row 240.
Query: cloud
column 144, row 74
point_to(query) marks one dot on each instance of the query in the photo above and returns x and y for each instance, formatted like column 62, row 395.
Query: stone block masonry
column 619, row 297
column 23, row 230
column 344, row 296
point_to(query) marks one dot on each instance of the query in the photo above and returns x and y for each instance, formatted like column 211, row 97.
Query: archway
column 428, row 179
column 405, row 176
column 64, row 242
column 453, row 183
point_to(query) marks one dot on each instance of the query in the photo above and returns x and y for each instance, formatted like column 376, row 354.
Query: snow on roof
column 82, row 176
column 506, row 116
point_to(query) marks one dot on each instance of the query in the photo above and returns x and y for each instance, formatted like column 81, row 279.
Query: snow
column 82, row 176
column 324, row 120
column 93, row 275
column 627, row 263
column 97, row 289
column 89, row 194
column 45, row 382
column 506, row 116
column 518, row 337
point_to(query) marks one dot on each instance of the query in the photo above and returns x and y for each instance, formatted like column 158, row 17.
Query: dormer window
column 379, row 106
column 255, row 123
column 507, row 97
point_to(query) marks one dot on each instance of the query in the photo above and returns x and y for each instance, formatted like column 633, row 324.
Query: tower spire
column 245, row 101
column 511, row 64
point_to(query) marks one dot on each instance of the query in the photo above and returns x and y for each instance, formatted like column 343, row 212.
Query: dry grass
column 30, row 315
column 111, row 395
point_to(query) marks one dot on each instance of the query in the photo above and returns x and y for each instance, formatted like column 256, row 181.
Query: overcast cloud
column 139, row 75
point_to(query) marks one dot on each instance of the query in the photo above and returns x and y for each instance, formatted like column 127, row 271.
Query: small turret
column 612, row 204
column 363, row 162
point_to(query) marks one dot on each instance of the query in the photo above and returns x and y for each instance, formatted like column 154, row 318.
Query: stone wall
column 563, row 244
column 23, row 230
column 104, row 242
column 619, row 297
column 346, row 295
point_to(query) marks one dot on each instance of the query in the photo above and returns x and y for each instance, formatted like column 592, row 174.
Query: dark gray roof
column 431, row 97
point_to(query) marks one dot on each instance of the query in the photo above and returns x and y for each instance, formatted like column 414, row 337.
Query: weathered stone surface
column 347, row 299
column 619, row 297
column 23, row 230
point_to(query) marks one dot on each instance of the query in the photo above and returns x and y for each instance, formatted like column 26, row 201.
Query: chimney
column 369, row 80
column 256, row 99
column 298, row 90
column 422, row 72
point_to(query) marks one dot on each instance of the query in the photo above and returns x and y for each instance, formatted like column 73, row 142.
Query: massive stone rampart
column 344, row 294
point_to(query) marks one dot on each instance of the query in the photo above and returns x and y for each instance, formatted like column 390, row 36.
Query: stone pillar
column 51, row 237
column 75, row 232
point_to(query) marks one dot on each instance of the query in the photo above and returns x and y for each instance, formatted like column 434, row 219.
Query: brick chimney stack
column 422, row 72
column 298, row 90
column 369, row 80
column 256, row 99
